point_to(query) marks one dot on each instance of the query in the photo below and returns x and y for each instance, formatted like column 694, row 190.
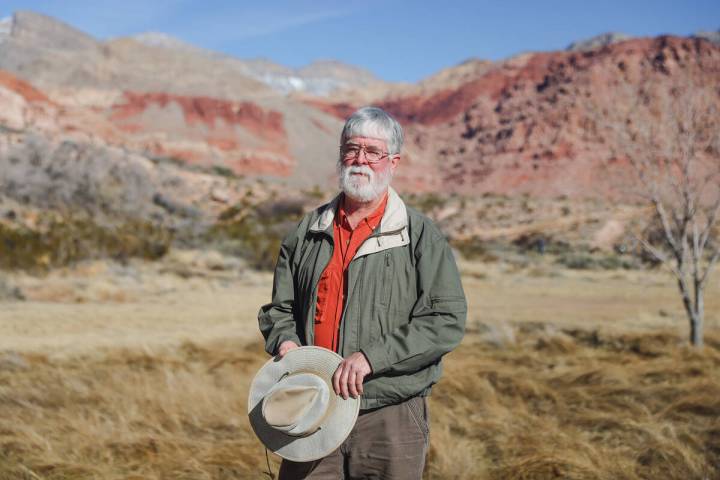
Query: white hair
column 374, row 122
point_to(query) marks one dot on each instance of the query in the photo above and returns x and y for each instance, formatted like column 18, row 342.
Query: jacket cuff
column 376, row 355
column 273, row 349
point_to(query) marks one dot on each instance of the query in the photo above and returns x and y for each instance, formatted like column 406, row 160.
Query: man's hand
column 285, row 347
column 348, row 378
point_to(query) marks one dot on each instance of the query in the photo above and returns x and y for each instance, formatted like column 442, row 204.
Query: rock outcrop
column 598, row 41
column 532, row 124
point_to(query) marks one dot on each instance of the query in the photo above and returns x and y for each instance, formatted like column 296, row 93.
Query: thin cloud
column 212, row 24
column 214, row 28
column 290, row 21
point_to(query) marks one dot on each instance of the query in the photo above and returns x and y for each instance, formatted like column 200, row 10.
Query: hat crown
column 297, row 404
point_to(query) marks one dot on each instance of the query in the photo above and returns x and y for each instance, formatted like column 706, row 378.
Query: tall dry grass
column 578, row 405
column 573, row 404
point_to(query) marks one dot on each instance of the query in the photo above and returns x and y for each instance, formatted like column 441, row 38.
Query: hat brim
column 335, row 427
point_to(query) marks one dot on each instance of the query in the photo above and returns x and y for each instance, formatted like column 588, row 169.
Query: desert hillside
column 134, row 135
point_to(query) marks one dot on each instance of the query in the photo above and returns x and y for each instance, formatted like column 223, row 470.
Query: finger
column 344, row 382
column 352, row 386
column 336, row 379
column 359, row 383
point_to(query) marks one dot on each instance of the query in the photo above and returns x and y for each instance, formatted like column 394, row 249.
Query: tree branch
column 710, row 265
column 660, row 255
column 710, row 223
column 660, row 209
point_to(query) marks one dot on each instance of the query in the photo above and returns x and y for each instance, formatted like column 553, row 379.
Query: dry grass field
column 563, row 374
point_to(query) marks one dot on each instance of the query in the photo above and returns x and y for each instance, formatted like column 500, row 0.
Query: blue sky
column 398, row 40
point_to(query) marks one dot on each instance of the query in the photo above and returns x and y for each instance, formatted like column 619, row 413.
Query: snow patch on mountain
column 5, row 27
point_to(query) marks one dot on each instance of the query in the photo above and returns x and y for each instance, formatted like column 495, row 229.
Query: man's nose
column 362, row 153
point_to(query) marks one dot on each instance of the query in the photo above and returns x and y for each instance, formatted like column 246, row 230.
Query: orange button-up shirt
column 332, row 287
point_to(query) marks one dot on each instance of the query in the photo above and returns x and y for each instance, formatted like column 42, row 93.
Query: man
column 375, row 281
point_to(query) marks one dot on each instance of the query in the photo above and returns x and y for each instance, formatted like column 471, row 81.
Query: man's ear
column 394, row 161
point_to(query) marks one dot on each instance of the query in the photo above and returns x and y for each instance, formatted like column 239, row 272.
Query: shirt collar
column 394, row 218
column 372, row 220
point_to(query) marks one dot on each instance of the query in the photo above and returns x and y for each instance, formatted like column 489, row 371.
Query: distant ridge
column 714, row 37
column 597, row 41
column 321, row 77
column 51, row 53
column 43, row 31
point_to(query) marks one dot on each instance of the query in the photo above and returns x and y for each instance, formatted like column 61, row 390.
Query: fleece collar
column 392, row 231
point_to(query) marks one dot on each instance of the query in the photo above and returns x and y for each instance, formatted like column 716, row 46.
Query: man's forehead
column 361, row 140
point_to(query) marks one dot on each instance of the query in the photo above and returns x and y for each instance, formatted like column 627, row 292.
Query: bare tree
column 670, row 138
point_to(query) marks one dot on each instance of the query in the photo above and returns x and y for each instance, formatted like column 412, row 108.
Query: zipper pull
column 387, row 259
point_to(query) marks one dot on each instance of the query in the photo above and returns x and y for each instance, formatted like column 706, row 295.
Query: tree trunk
column 694, row 311
column 696, row 331
column 696, row 320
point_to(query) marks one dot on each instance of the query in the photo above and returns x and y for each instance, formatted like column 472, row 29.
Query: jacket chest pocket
column 381, row 278
column 386, row 279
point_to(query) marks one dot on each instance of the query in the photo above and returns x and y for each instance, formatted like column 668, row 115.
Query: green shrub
column 426, row 202
column 64, row 241
column 475, row 249
column 588, row 261
column 255, row 232
column 578, row 261
column 223, row 171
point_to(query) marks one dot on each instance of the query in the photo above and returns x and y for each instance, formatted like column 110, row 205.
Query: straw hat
column 293, row 408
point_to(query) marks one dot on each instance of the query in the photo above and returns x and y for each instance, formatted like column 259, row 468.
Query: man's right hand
column 285, row 347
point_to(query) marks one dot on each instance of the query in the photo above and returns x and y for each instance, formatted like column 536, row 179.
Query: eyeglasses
column 352, row 152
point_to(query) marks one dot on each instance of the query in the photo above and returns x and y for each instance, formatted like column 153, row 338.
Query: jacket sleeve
column 277, row 318
column 437, row 320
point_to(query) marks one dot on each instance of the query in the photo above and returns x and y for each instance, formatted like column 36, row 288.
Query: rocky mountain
column 186, row 132
column 167, row 100
column 51, row 55
column 597, row 41
column 318, row 78
column 537, row 123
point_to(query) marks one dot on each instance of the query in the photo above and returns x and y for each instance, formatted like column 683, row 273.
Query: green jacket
column 405, row 306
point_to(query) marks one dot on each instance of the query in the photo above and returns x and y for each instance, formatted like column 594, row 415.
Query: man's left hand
column 349, row 376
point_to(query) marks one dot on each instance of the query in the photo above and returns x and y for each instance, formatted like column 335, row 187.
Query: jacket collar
column 394, row 218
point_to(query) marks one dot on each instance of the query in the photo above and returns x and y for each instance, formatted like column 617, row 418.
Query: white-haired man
column 374, row 280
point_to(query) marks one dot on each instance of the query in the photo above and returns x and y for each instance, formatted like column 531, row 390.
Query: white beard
column 363, row 189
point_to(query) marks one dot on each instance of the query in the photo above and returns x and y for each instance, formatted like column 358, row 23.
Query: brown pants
column 387, row 443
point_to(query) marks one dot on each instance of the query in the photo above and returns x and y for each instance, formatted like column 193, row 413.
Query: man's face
column 360, row 178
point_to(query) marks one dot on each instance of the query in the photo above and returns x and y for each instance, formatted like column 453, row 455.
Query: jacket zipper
column 312, row 308
column 391, row 232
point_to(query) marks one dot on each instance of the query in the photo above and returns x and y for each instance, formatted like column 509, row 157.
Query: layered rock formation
column 192, row 124
column 530, row 124
column 538, row 123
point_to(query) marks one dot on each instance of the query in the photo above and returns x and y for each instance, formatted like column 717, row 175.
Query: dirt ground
column 100, row 306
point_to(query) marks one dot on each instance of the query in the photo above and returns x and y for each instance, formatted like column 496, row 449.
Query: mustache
column 364, row 169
